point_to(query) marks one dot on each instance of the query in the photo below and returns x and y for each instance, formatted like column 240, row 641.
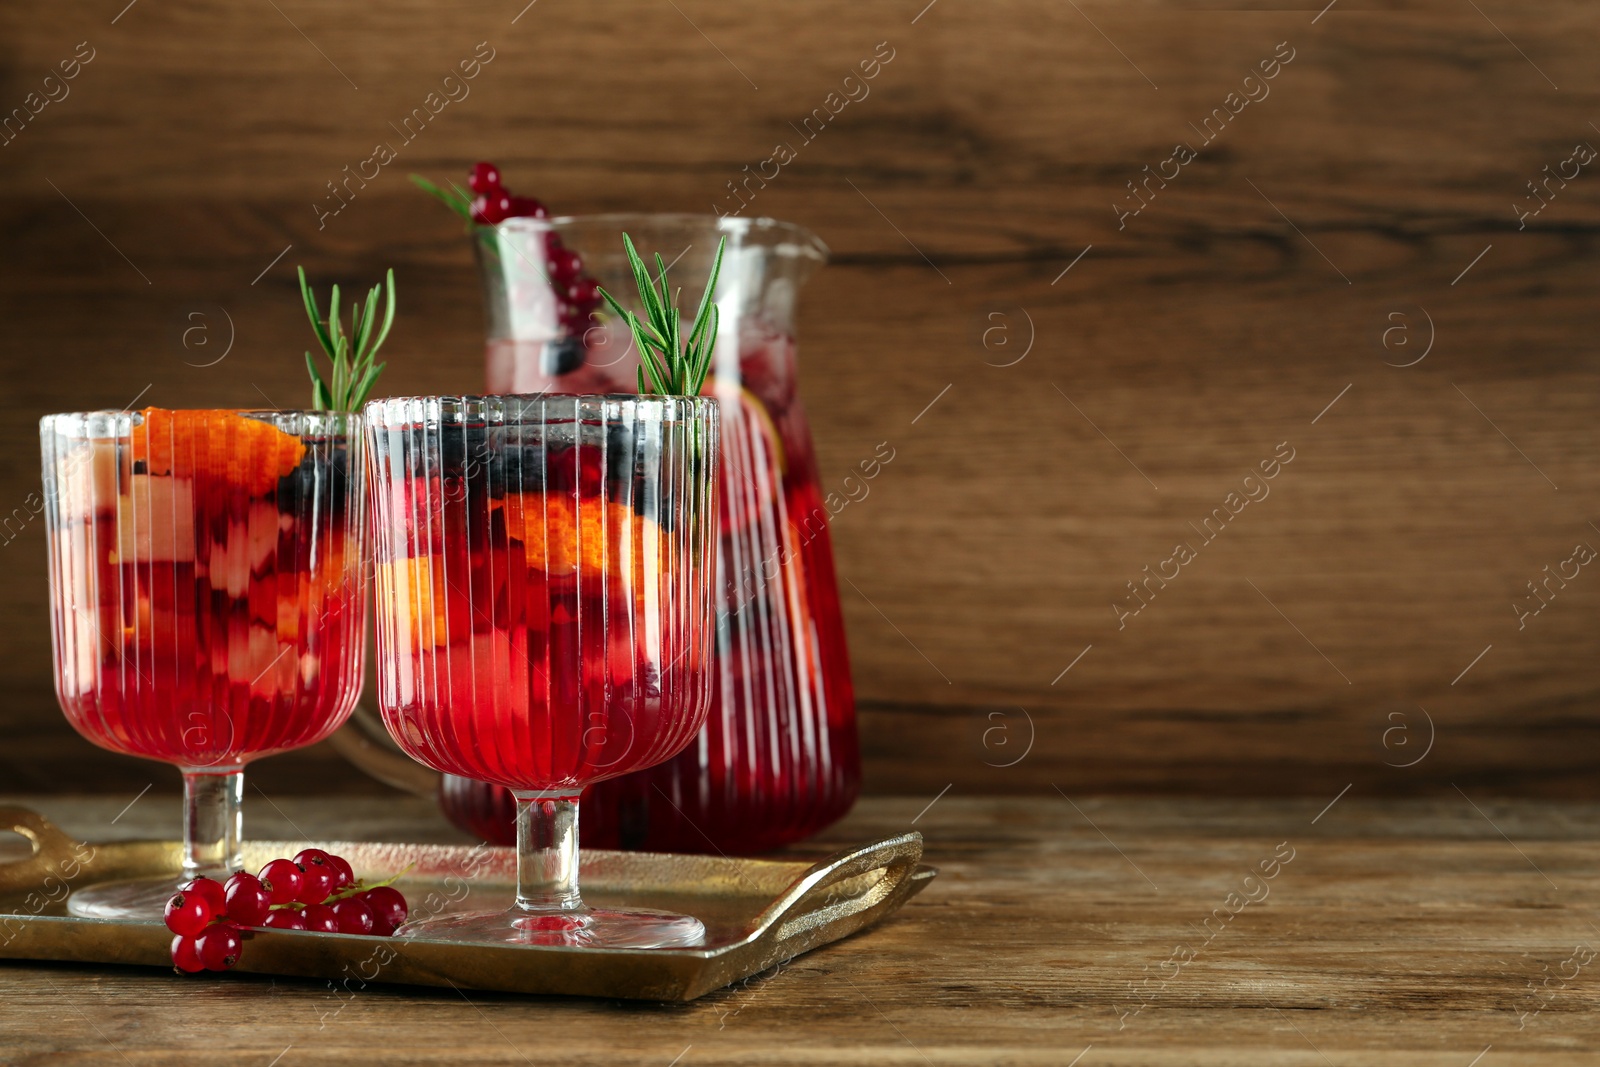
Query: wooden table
column 1396, row 932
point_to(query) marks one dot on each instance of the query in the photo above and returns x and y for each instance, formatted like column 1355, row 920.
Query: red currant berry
column 308, row 858
column 218, row 948
column 526, row 207
column 552, row 243
column 484, row 178
column 248, row 900
column 354, row 916
column 285, row 919
column 565, row 265
column 283, row 879
column 491, row 208
column 343, row 875
column 209, row 890
column 574, row 321
column 389, row 909
column 320, row 919
column 187, row 914
column 316, row 884
column 585, row 293
column 184, row 956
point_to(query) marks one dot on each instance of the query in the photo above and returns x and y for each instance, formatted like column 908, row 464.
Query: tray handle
column 51, row 845
column 814, row 901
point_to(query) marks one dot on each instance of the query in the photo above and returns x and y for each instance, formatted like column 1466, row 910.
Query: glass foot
column 598, row 928
column 139, row 900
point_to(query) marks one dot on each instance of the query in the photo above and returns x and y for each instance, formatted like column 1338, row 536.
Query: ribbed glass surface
column 544, row 580
column 207, row 595
column 778, row 758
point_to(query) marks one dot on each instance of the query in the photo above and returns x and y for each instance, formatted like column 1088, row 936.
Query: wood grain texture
column 1178, row 353
column 1398, row 933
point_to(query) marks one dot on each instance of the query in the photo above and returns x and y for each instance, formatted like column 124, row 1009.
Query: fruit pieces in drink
column 555, row 538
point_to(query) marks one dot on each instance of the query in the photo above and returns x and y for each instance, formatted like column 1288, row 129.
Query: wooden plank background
column 1372, row 190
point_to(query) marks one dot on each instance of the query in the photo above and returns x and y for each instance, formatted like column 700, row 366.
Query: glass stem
column 213, row 821
column 547, row 853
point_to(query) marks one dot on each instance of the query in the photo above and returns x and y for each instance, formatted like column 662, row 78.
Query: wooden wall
column 1084, row 417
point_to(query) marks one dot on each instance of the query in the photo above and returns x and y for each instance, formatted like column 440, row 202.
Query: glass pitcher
column 778, row 758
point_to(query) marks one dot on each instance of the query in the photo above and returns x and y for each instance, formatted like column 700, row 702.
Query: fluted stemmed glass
column 207, row 602
column 544, row 606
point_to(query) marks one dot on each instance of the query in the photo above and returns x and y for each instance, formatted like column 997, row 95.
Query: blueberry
column 507, row 460
column 562, row 356
column 525, row 466
column 321, row 470
column 458, row 444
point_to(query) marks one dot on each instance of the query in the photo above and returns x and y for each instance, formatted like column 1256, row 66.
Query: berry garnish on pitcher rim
column 489, row 203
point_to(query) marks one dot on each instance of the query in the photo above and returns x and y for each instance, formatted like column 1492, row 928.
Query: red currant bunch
column 314, row 891
column 577, row 295
column 494, row 203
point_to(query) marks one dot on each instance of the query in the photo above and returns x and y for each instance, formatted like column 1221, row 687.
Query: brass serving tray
column 757, row 913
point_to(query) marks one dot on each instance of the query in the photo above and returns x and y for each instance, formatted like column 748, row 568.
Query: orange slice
column 601, row 538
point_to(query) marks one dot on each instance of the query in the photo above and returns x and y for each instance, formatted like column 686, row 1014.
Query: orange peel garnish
column 215, row 444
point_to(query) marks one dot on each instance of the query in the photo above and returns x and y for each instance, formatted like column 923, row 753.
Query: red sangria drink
column 778, row 758
column 207, row 601
column 544, row 600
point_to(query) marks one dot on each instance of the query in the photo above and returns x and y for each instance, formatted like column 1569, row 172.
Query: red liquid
column 207, row 601
column 778, row 758
column 537, row 637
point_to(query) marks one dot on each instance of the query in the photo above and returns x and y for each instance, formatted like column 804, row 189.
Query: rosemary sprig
column 455, row 198
column 669, row 364
column 351, row 354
